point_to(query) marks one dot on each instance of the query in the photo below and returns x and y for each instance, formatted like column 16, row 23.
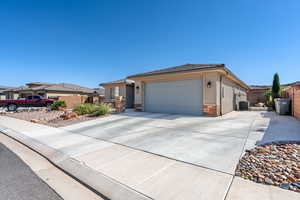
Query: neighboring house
column 198, row 89
column 2, row 91
column 123, row 87
column 256, row 94
column 49, row 90
column 99, row 92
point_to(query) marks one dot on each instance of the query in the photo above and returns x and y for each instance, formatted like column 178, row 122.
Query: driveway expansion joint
column 170, row 158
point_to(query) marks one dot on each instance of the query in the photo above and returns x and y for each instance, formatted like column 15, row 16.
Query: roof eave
column 242, row 83
column 220, row 67
column 161, row 73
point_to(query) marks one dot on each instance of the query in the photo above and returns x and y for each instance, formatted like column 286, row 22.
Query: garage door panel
column 184, row 97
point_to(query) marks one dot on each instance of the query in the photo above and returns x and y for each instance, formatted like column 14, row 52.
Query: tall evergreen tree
column 276, row 86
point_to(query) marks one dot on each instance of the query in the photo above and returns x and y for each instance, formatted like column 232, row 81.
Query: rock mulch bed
column 275, row 164
column 50, row 118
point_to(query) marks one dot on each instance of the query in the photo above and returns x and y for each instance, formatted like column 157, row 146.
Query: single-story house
column 122, row 87
column 197, row 89
column 2, row 91
column 48, row 90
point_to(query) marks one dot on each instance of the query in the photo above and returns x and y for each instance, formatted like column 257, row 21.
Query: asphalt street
column 19, row 182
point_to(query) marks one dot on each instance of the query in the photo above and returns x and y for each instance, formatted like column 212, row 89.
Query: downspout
column 221, row 95
column 293, row 102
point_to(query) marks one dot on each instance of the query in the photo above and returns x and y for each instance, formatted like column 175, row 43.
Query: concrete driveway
column 214, row 143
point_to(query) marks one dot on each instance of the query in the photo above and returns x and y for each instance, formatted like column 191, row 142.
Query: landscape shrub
column 83, row 109
column 92, row 109
column 102, row 109
column 58, row 104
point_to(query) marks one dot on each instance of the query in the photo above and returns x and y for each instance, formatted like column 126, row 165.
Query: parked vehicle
column 29, row 101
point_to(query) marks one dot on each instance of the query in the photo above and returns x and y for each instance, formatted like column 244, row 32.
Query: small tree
column 276, row 87
column 269, row 98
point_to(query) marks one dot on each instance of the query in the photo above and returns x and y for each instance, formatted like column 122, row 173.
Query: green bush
column 101, row 109
column 58, row 104
column 83, row 109
column 92, row 109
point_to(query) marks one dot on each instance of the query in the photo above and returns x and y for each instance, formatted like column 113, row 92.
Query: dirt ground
column 49, row 118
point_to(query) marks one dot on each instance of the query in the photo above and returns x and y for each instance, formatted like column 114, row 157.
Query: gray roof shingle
column 68, row 87
column 180, row 68
column 64, row 87
column 5, row 87
column 190, row 67
column 124, row 80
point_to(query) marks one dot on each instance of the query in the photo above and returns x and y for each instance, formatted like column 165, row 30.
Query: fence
column 294, row 94
column 72, row 101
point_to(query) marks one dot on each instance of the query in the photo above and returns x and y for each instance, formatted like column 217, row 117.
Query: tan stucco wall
column 210, row 94
column 227, row 96
column 138, row 96
column 122, row 91
column 230, row 89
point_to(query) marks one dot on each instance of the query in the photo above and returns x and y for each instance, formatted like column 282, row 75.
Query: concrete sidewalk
column 282, row 129
column 123, row 173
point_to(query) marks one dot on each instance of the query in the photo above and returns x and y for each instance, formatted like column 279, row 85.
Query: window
column 117, row 91
column 41, row 94
column 114, row 92
column 111, row 93
column 36, row 97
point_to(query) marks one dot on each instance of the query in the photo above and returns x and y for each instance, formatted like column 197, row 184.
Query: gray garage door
column 183, row 97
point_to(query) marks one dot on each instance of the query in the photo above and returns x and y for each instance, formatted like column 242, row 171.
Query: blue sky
column 89, row 42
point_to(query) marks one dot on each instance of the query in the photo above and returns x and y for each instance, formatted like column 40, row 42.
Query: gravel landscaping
column 275, row 164
column 50, row 118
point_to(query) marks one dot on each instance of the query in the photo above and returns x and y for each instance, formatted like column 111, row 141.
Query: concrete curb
column 97, row 181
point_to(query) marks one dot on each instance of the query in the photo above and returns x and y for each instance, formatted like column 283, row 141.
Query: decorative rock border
column 274, row 164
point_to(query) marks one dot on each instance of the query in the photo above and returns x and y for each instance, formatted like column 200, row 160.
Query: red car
column 30, row 101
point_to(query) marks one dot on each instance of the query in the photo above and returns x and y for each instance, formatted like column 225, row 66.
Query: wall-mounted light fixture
column 137, row 89
column 209, row 84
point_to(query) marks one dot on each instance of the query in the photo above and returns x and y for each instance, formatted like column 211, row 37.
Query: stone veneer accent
column 210, row 110
column 120, row 104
